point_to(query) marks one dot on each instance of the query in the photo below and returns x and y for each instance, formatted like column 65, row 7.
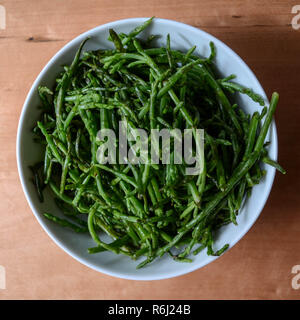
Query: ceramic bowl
column 28, row 152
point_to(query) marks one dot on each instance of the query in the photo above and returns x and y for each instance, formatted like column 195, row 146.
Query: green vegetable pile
column 148, row 210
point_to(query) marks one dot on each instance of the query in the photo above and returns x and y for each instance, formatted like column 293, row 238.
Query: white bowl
column 182, row 37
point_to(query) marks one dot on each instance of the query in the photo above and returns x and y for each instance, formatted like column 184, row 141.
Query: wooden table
column 259, row 266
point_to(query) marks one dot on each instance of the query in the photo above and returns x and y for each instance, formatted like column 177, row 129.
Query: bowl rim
column 118, row 23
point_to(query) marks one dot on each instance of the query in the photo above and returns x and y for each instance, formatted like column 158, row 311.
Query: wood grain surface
column 259, row 266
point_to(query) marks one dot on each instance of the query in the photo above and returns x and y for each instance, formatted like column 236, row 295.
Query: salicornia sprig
column 148, row 209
